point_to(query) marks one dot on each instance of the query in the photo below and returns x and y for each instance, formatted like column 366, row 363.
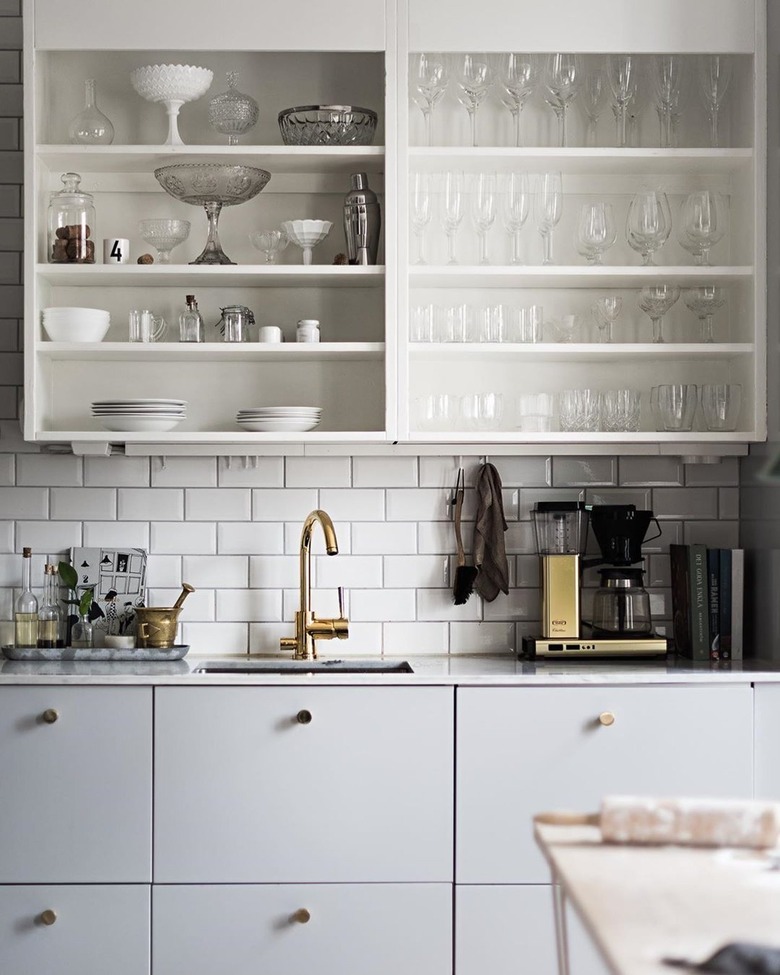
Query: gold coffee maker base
column 534, row 647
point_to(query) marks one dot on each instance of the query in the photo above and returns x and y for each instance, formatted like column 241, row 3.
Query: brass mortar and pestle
column 157, row 625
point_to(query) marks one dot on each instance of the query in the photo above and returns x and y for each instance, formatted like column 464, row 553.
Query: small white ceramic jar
column 308, row 330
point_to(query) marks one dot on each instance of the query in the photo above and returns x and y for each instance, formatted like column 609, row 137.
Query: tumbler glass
column 720, row 404
column 674, row 406
column 620, row 410
column 579, row 410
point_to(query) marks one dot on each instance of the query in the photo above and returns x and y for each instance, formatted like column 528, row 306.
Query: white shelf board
column 210, row 351
column 635, row 352
column 211, row 275
column 576, row 276
column 144, row 159
column 231, row 436
column 615, row 439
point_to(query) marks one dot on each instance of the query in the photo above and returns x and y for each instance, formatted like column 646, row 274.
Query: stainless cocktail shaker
column 362, row 221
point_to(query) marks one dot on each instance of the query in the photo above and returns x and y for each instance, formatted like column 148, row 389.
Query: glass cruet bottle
column 49, row 617
column 232, row 113
column 191, row 322
column 91, row 127
column 26, row 607
column 71, row 224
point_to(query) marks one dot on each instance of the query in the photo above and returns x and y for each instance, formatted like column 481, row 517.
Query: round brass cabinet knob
column 606, row 718
column 50, row 715
column 303, row 717
column 47, row 917
column 301, row 916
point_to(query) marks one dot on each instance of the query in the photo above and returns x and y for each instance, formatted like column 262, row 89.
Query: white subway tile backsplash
column 364, row 640
column 199, row 607
column 640, row 498
column 384, row 538
column 439, row 604
column 438, row 537
column 292, row 538
column 324, row 602
column 48, row 536
column 715, row 534
column 116, row 472
column 404, row 639
column 7, row 534
column 116, row 534
column 482, row 637
column 519, row 538
column 728, row 503
column 384, row 472
column 683, row 503
column 7, row 598
column 381, row 605
column 723, row 474
column 520, row 604
column 527, row 571
column 356, row 504
column 242, row 538
column 250, row 605
column 11, row 570
column 655, row 471
column 416, row 571
column 524, row 471
column 82, row 504
column 583, row 471
column 264, row 637
column 251, row 472
column 218, row 504
column 187, row 472
column 215, row 639
column 421, row 504
column 150, row 504
column 273, row 572
column 442, row 472
column 318, row 472
column 216, row 571
column 183, row 538
column 164, row 571
column 289, row 504
column 350, row 571
column 24, row 502
column 46, row 470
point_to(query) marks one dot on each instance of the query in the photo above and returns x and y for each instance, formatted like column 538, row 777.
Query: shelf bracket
column 89, row 448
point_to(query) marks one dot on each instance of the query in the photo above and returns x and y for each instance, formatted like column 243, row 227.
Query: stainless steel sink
column 303, row 667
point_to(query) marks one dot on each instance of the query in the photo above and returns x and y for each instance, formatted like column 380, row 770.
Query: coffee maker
column 621, row 625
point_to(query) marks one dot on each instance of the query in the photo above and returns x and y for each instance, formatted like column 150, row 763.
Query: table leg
column 561, row 934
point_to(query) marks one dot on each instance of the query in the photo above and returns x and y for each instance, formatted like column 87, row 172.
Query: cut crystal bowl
column 327, row 125
column 164, row 234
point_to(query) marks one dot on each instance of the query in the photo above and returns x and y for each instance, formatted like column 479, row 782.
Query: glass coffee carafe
column 621, row 605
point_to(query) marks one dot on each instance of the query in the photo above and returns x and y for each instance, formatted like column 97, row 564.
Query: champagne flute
column 655, row 301
column 548, row 202
column 421, row 211
column 596, row 231
column 704, row 301
column 606, row 311
column 451, row 209
column 562, row 79
column 648, row 224
column 622, row 71
column 714, row 72
column 514, row 209
column 593, row 96
column 702, row 220
column 429, row 82
column 517, row 76
column 483, row 210
column 475, row 78
column 668, row 81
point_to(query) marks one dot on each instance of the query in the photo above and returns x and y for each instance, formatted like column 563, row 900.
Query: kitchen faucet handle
column 341, row 603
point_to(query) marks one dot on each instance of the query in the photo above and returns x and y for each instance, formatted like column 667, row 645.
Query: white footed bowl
column 171, row 82
column 307, row 233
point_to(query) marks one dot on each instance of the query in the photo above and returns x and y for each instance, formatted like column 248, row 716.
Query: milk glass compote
column 655, row 301
column 648, row 224
column 548, row 203
column 474, row 78
column 451, row 210
column 428, row 81
column 514, row 209
column 562, row 81
column 517, row 78
column 704, row 301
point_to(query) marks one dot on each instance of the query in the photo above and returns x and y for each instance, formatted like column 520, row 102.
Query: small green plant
column 70, row 579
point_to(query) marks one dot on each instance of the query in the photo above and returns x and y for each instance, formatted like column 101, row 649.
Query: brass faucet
column 308, row 629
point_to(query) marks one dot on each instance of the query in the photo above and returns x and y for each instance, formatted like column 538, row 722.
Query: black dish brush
column 463, row 584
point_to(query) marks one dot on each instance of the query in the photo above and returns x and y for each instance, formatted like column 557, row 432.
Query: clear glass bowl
column 164, row 235
column 327, row 125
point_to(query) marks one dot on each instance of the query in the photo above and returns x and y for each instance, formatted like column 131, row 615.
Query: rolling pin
column 683, row 822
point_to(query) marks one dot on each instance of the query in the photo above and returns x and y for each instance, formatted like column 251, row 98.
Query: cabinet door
column 385, row 929
column 76, row 804
column 526, row 750
column 92, row 930
column 246, row 792
column 767, row 739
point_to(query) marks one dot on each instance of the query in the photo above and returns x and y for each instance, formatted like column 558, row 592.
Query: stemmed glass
column 655, row 301
column 593, row 97
column 562, row 79
column 704, row 301
column 702, row 224
column 421, row 211
column 622, row 71
column 451, row 214
column 648, row 224
column 668, row 81
column 514, row 209
column 517, row 76
column 475, row 78
column 596, row 231
column 483, row 210
column 714, row 72
column 606, row 311
column 429, row 82
column 548, row 202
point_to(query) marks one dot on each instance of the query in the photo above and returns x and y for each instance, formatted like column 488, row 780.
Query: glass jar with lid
column 71, row 224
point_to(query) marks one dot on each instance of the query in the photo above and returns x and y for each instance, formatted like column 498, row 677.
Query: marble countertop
column 463, row 669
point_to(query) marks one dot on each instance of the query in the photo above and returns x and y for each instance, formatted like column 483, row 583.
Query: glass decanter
column 232, row 113
column 91, row 127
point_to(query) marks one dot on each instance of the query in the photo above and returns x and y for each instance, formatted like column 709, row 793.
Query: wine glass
column 622, row 71
column 562, row 80
column 648, row 224
column 704, row 301
column 702, row 224
column 514, row 209
column 429, row 79
column 517, row 76
column 668, row 82
column 548, row 202
column 483, row 210
column 714, row 73
column 606, row 311
column 421, row 211
column 270, row 242
column 655, row 301
column 451, row 214
column 593, row 96
column 596, row 231
column 475, row 78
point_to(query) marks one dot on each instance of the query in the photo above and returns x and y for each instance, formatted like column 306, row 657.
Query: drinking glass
column 673, row 406
column 702, row 224
column 622, row 71
column 606, row 311
column 720, row 404
column 517, row 77
column 492, row 324
column 483, row 210
column 421, row 211
column 421, row 323
column 429, row 82
column 562, row 82
column 482, row 411
column 474, row 78
column 593, row 96
column 668, row 82
column 620, row 409
column 452, row 190
column 648, row 224
column 655, row 301
column 704, row 301
column 436, row 411
column 564, row 328
column 535, row 412
column 596, row 231
column 514, row 209
column 579, row 410
column 714, row 74
column 548, row 202
column 526, row 324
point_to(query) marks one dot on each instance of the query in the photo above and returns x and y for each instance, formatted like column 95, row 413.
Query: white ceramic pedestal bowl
column 173, row 85
column 306, row 234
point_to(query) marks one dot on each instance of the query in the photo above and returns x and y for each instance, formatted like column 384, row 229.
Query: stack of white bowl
column 279, row 419
column 140, row 415
column 76, row 324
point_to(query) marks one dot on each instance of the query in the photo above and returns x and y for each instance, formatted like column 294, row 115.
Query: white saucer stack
column 140, row 415
column 279, row 419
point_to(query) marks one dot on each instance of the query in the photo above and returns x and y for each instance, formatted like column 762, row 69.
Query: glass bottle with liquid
column 191, row 322
column 26, row 607
column 81, row 634
column 49, row 614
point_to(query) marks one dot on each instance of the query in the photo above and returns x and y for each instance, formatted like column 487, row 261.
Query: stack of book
column 708, row 586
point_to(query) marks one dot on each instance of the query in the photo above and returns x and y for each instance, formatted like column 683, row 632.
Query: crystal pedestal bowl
column 212, row 186
column 173, row 85
column 164, row 234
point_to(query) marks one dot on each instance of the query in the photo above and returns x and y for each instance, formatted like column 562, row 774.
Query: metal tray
column 95, row 653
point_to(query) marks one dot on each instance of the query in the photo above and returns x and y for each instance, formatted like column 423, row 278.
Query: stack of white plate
column 140, row 415
column 279, row 419
column 76, row 324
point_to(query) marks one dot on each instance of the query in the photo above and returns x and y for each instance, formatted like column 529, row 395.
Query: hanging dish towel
column 489, row 528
